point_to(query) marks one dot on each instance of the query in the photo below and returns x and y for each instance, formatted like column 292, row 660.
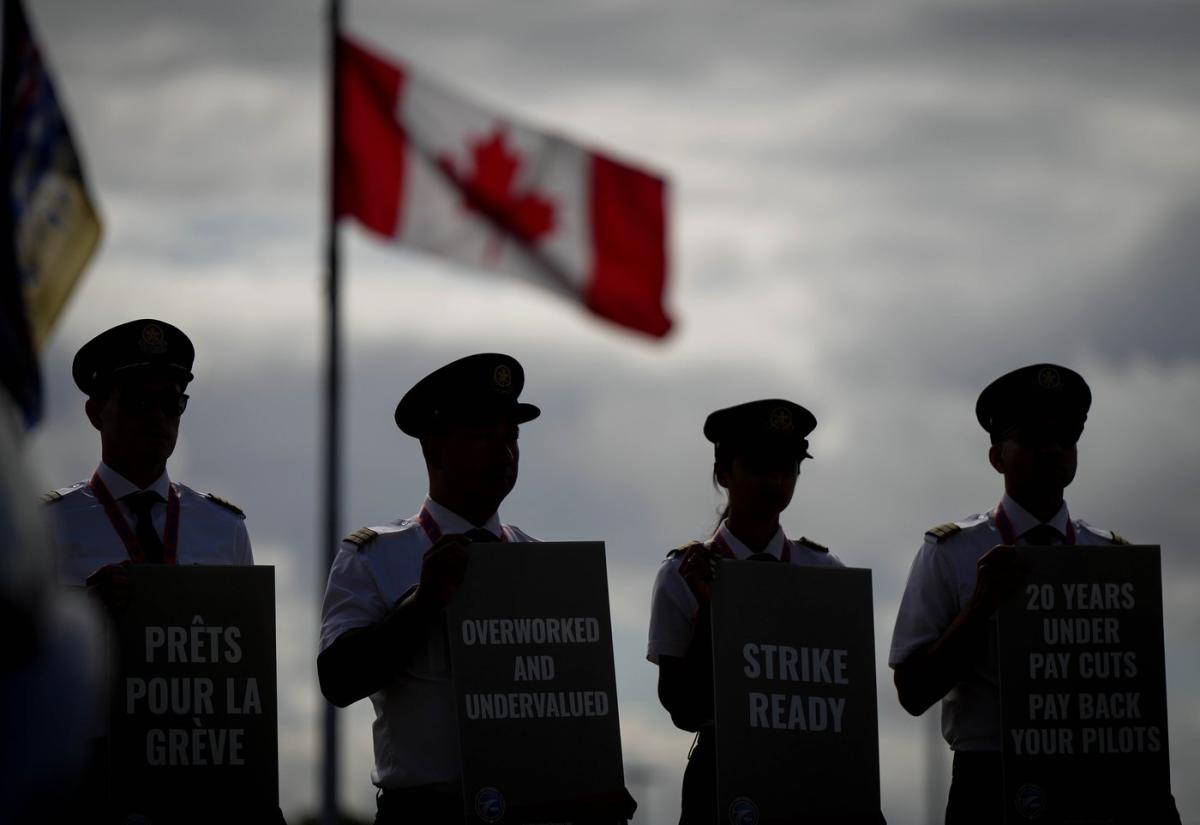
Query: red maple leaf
column 489, row 190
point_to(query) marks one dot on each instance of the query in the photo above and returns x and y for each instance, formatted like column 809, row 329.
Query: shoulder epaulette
column 1111, row 535
column 361, row 537
column 812, row 545
column 228, row 505
column 943, row 531
column 62, row 492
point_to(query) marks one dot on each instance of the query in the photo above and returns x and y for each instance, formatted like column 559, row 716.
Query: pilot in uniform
column 758, row 447
column 944, row 642
column 130, row 511
column 383, row 624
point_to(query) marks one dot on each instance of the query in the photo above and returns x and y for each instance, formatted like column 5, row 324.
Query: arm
column 685, row 684
column 929, row 672
column 365, row 658
column 681, row 630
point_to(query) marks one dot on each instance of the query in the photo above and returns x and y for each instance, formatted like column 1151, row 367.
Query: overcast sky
column 876, row 209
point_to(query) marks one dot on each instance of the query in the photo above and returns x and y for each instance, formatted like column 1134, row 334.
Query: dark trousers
column 95, row 802
column 438, row 805
column 976, row 790
column 977, row 796
column 699, row 802
column 425, row 805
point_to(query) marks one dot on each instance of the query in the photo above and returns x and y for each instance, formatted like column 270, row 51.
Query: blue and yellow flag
column 48, row 226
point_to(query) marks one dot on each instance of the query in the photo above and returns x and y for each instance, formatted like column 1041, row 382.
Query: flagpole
column 332, row 521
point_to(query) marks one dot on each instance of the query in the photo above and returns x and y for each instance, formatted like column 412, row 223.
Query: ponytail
column 722, row 460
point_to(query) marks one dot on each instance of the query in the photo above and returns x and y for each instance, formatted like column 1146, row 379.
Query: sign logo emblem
column 489, row 805
column 502, row 378
column 781, row 419
column 153, row 339
column 1048, row 378
column 743, row 811
column 1030, row 801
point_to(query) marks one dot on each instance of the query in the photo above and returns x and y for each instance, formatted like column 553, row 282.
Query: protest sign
column 1082, row 687
column 795, row 708
column 193, row 722
column 531, row 653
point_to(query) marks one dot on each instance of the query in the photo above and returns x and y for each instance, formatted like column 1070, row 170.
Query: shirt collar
column 1023, row 521
column 451, row 522
column 741, row 551
column 120, row 486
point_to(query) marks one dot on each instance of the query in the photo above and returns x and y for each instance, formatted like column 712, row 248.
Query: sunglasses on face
column 140, row 402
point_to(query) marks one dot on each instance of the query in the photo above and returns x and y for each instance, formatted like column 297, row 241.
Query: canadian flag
column 421, row 166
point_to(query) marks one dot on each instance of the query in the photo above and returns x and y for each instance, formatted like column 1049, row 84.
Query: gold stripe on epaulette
column 228, row 505
column 52, row 496
column 1118, row 538
column 361, row 537
column 943, row 530
column 807, row 542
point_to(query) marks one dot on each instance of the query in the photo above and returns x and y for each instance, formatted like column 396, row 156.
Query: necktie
column 761, row 557
column 480, row 535
column 1041, row 535
column 141, row 505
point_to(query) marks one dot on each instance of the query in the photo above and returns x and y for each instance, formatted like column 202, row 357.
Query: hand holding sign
column 110, row 584
column 698, row 566
column 1000, row 570
column 442, row 570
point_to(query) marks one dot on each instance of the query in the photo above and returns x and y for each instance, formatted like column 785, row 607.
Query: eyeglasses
column 138, row 402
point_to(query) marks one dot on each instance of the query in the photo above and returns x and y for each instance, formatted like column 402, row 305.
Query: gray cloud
column 1151, row 309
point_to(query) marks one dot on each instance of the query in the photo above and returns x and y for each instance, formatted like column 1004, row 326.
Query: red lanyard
column 434, row 532
column 722, row 547
column 117, row 519
column 1009, row 535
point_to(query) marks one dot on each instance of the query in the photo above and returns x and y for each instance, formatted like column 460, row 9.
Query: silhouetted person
column 130, row 511
column 383, row 629
column 759, row 447
column 53, row 676
column 944, row 643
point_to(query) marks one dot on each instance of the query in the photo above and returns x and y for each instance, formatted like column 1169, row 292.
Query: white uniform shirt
column 940, row 584
column 416, row 726
column 209, row 533
column 673, row 606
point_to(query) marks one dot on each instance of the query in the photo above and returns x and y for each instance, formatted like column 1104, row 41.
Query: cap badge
column 502, row 378
column 1048, row 379
column 781, row 419
column 153, row 340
